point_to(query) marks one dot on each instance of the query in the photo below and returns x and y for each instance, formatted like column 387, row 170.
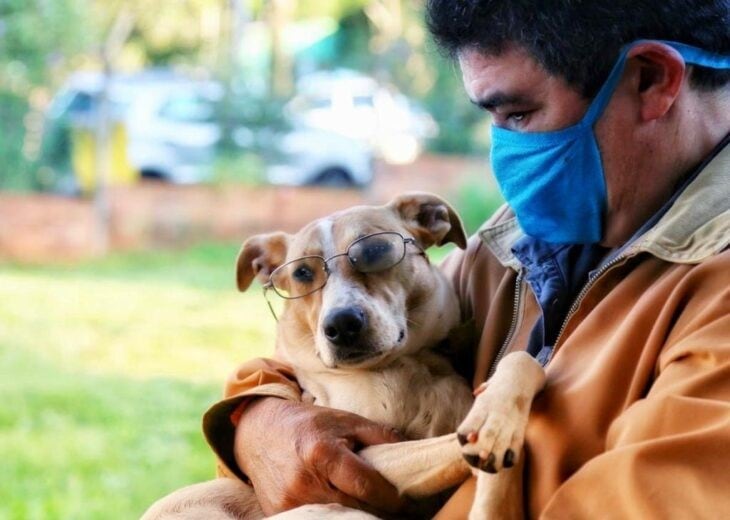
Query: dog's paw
column 492, row 434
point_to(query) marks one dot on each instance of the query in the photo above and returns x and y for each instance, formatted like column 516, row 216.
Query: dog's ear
column 430, row 218
column 259, row 256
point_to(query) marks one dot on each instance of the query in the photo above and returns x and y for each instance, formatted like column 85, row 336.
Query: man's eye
column 303, row 274
column 517, row 119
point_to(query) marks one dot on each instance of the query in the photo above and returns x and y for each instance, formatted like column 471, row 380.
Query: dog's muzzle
column 345, row 328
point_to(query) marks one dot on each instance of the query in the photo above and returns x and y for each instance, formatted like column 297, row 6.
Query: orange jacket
column 634, row 421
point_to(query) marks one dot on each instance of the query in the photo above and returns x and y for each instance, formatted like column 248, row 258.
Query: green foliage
column 105, row 371
column 457, row 117
column 350, row 44
column 35, row 37
column 477, row 199
column 168, row 33
column 16, row 172
column 37, row 32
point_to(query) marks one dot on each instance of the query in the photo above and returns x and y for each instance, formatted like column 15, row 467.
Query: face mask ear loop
column 692, row 55
column 697, row 56
column 599, row 103
column 266, row 297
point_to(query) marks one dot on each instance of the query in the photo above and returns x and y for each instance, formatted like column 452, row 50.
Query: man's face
column 518, row 92
column 522, row 96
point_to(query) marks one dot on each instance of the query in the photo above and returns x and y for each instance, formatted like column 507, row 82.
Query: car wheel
column 153, row 175
column 334, row 178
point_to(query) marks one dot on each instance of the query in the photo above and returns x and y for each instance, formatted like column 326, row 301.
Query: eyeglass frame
column 269, row 285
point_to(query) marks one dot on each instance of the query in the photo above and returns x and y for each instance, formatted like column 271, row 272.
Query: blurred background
column 140, row 144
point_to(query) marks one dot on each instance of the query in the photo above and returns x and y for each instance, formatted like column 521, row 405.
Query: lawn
column 106, row 370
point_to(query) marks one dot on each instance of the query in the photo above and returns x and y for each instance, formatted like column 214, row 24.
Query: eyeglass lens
column 376, row 253
column 308, row 274
column 299, row 277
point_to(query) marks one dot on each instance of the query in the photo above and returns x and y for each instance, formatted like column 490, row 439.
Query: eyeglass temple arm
column 409, row 240
column 266, row 287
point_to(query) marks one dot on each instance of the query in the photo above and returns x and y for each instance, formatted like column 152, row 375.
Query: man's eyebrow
column 499, row 99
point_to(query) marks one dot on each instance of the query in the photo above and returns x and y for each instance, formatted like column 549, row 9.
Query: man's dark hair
column 580, row 39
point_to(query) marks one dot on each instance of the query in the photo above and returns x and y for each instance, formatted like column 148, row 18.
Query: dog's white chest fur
column 420, row 395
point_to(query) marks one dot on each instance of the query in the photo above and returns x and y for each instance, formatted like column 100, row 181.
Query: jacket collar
column 696, row 227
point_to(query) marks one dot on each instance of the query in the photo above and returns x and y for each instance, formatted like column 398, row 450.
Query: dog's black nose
column 342, row 327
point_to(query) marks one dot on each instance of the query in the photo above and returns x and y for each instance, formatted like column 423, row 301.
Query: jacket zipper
column 513, row 325
column 579, row 299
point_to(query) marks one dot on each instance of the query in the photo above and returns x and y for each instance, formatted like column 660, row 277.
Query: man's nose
column 343, row 326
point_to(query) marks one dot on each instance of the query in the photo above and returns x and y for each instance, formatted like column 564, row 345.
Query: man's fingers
column 312, row 492
column 369, row 433
column 358, row 479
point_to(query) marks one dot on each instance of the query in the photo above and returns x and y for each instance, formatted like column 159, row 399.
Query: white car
column 356, row 106
column 170, row 124
column 321, row 157
column 173, row 132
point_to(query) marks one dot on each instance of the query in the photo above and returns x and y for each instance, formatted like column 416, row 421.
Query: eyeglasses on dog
column 372, row 253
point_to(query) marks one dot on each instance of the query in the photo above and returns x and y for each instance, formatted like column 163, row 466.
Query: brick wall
column 42, row 228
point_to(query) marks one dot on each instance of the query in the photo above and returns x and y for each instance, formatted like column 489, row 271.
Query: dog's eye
column 303, row 274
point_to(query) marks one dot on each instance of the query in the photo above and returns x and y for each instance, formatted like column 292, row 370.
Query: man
column 615, row 272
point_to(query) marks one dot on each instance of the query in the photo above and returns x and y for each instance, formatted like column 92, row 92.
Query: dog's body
column 364, row 342
column 419, row 395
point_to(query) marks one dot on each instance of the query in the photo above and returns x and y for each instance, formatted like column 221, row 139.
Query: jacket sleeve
column 258, row 377
column 668, row 455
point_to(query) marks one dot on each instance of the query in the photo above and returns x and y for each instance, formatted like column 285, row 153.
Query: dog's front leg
column 498, row 497
column 420, row 468
column 494, row 429
column 493, row 433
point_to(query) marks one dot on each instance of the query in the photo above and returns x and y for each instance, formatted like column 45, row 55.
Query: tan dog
column 366, row 302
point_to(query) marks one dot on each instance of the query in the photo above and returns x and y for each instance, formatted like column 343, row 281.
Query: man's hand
column 298, row 454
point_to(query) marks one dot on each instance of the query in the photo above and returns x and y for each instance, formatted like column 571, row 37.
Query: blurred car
column 169, row 120
column 174, row 128
column 354, row 105
column 320, row 157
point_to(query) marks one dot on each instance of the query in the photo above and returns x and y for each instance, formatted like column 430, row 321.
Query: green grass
column 105, row 371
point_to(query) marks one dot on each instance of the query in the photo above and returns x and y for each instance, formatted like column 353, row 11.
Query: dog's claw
column 509, row 458
column 472, row 460
column 472, row 437
column 488, row 465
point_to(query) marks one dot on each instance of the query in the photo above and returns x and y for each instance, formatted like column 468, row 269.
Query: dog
column 363, row 300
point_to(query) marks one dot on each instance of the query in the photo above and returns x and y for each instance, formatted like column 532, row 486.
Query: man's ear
column 661, row 73
column 430, row 218
column 259, row 256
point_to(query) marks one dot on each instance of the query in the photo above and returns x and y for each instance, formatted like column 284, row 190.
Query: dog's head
column 377, row 299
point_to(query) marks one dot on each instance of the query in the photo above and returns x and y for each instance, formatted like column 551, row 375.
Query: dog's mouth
column 363, row 357
column 359, row 359
column 356, row 357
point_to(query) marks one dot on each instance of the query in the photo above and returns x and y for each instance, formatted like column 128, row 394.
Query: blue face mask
column 554, row 181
